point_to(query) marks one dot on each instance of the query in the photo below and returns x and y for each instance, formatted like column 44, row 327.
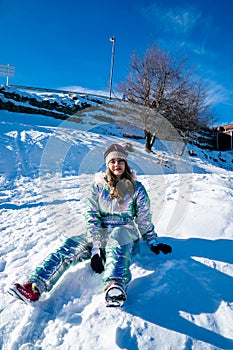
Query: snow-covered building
column 224, row 137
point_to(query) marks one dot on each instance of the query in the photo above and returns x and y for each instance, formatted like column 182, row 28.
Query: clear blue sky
column 59, row 43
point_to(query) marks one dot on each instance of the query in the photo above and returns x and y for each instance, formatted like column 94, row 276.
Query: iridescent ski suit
column 114, row 225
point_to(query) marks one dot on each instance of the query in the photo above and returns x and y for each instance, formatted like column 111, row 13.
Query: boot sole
column 115, row 300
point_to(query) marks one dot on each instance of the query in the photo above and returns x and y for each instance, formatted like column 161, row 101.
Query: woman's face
column 117, row 167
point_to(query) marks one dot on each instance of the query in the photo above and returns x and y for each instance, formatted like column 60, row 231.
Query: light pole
column 112, row 39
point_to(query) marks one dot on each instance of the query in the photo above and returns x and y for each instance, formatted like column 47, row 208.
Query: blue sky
column 66, row 43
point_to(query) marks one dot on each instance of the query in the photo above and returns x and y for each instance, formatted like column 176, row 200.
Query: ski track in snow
column 181, row 301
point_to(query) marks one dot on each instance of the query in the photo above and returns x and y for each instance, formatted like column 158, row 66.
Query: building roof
column 223, row 128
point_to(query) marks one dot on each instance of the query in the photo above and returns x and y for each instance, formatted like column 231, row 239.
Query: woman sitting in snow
column 118, row 212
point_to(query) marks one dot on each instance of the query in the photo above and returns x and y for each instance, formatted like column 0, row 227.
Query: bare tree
column 167, row 86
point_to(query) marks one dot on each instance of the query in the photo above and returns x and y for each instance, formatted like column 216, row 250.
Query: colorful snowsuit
column 115, row 225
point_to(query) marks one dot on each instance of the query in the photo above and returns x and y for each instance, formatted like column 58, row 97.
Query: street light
column 112, row 39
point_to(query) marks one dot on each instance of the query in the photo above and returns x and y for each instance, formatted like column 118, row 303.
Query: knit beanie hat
column 115, row 151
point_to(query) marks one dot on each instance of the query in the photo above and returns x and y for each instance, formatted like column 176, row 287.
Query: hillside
column 182, row 301
column 59, row 105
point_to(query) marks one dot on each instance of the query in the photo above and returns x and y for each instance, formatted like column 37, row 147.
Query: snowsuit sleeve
column 143, row 216
column 93, row 217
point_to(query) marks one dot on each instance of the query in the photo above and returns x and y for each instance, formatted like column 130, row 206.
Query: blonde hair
column 119, row 188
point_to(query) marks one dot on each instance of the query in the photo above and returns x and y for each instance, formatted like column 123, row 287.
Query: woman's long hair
column 120, row 187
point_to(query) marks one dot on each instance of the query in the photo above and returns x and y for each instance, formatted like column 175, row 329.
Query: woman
column 117, row 215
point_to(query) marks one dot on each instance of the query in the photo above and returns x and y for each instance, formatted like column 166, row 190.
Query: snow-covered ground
column 180, row 301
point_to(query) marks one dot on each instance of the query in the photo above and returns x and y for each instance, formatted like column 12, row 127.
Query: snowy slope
column 181, row 301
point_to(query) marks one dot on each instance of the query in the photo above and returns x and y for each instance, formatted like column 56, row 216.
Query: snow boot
column 115, row 295
column 28, row 292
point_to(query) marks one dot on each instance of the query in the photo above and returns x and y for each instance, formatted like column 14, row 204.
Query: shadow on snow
column 185, row 285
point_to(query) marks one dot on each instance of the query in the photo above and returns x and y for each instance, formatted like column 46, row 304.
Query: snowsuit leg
column 117, row 266
column 119, row 252
column 72, row 251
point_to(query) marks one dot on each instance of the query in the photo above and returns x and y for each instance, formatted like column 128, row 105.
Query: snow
column 180, row 301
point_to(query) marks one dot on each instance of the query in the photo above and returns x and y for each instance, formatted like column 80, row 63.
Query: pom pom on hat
column 115, row 151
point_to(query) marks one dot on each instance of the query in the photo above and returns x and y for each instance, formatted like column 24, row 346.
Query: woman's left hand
column 161, row 247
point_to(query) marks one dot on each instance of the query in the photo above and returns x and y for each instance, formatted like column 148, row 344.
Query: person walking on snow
column 117, row 216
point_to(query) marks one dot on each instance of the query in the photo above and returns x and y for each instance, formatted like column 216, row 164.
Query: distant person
column 117, row 215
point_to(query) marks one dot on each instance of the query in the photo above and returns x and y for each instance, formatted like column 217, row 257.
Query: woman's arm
column 145, row 225
column 93, row 217
column 143, row 214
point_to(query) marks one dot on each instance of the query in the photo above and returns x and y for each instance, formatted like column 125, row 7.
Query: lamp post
column 112, row 39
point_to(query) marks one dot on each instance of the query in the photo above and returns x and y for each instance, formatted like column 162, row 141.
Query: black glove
column 165, row 248
column 97, row 260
